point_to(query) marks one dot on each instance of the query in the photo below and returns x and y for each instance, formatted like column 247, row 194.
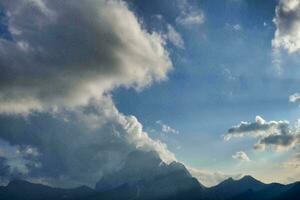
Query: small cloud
column 166, row 128
column 241, row 156
column 234, row 27
column 237, row 27
column 189, row 19
column 295, row 98
column 265, row 24
column 174, row 37
column 190, row 15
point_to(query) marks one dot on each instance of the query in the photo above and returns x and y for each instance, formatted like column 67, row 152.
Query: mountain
column 230, row 188
column 145, row 176
column 171, row 182
column 23, row 190
column 292, row 193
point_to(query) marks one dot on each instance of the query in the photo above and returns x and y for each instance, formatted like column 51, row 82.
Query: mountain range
column 145, row 177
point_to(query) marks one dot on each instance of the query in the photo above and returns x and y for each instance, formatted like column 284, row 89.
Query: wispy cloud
column 166, row 128
column 241, row 156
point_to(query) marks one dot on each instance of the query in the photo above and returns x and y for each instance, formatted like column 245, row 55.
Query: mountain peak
column 18, row 182
column 249, row 179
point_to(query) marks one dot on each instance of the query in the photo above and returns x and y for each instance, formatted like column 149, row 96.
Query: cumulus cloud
column 189, row 15
column 278, row 134
column 287, row 21
column 64, row 53
column 166, row 128
column 66, row 57
column 241, row 156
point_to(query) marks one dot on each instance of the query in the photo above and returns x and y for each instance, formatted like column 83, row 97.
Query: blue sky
column 223, row 76
column 226, row 68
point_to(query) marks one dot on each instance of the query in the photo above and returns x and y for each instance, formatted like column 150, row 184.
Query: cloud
column 294, row 98
column 64, row 53
column 234, row 27
column 166, row 128
column 209, row 178
column 189, row 15
column 287, row 22
column 241, row 156
column 278, row 134
column 174, row 37
column 53, row 140
column 64, row 59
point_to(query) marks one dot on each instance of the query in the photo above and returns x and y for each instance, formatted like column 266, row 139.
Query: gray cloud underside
column 279, row 134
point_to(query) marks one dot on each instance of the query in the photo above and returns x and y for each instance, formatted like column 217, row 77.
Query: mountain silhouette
column 20, row 189
column 172, row 182
column 146, row 176
column 230, row 187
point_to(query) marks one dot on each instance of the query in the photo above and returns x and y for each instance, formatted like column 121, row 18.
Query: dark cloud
column 278, row 134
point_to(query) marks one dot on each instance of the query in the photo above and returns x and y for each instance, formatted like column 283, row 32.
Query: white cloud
column 166, row 128
column 278, row 134
column 241, row 156
column 190, row 19
column 287, row 21
column 174, row 37
column 294, row 98
column 65, row 53
column 237, row 27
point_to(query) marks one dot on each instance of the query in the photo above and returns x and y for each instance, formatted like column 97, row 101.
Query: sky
column 212, row 84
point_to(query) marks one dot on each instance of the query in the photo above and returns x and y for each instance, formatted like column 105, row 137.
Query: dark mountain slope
column 230, row 188
column 292, row 193
column 19, row 189
column 145, row 176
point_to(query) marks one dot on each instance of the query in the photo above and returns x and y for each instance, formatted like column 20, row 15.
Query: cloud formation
column 66, row 57
column 241, row 156
column 278, row 134
column 287, row 21
column 64, row 53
